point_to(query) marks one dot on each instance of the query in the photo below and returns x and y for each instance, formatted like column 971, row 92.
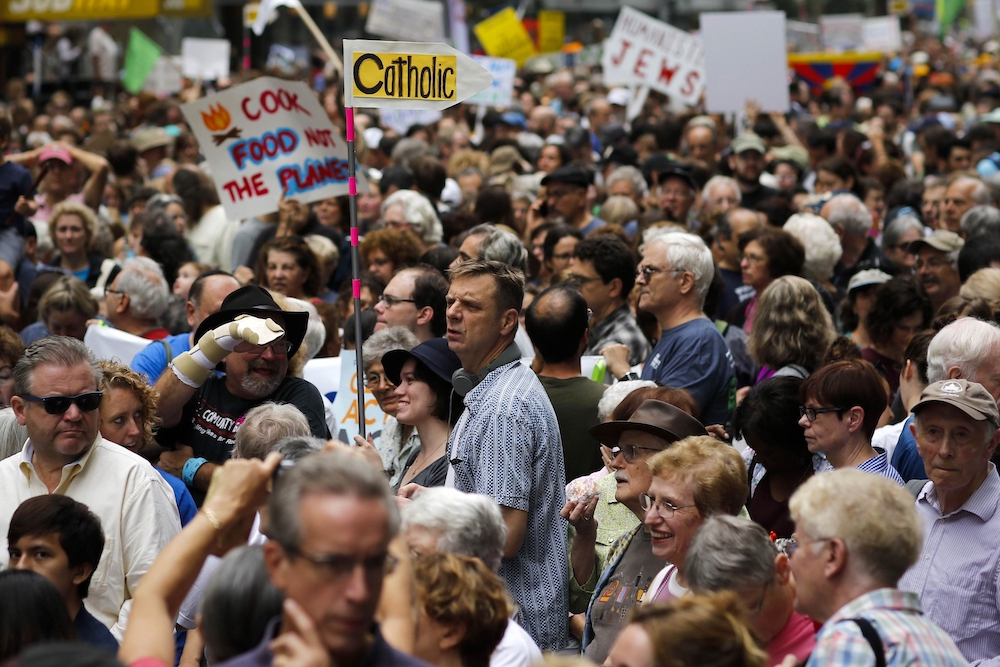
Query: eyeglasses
column 108, row 290
column 932, row 263
column 374, row 380
column 664, row 508
column 679, row 194
column 279, row 347
column 559, row 194
column 57, row 405
column 629, row 451
column 648, row 272
column 580, row 280
column 335, row 568
column 391, row 301
column 563, row 257
column 756, row 259
column 812, row 413
column 789, row 545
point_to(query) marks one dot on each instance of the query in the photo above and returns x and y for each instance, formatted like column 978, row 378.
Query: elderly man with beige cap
column 958, row 573
column 937, row 265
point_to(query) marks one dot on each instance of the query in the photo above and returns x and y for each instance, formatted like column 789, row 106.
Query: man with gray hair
column 896, row 238
column 855, row 536
column 628, row 182
column 852, row 220
column 332, row 518
column 731, row 553
column 966, row 349
column 137, row 297
column 962, row 194
column 937, row 265
column 980, row 221
column 720, row 194
column 57, row 398
column 443, row 520
column 673, row 278
column 265, row 425
column 958, row 574
column 492, row 243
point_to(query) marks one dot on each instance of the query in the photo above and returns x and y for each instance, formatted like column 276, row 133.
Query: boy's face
column 44, row 555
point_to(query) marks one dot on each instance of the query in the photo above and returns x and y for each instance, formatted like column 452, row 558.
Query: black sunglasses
column 57, row 405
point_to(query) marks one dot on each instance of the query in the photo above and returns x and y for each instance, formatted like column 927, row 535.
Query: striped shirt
column 958, row 573
column 507, row 445
column 879, row 465
column 908, row 638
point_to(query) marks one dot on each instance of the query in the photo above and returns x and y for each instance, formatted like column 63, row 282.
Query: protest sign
column 842, row 32
column 646, row 52
column 803, row 37
column 402, row 120
column 501, row 93
column 266, row 137
column 166, row 78
column 345, row 404
column 881, row 33
column 551, row 31
column 504, row 36
column 324, row 374
column 18, row 11
column 205, row 58
column 409, row 75
column 414, row 20
column 985, row 19
column 745, row 58
column 113, row 344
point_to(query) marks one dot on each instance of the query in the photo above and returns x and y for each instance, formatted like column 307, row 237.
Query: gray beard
column 260, row 387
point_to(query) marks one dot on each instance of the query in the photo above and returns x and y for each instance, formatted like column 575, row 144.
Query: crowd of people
column 657, row 391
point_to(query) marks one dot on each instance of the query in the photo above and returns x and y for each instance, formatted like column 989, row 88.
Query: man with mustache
column 937, row 265
column 253, row 339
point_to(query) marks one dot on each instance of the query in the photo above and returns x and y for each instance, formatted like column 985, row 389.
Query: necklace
column 419, row 465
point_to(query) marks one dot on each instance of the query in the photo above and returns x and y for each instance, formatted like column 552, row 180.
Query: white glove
column 194, row 367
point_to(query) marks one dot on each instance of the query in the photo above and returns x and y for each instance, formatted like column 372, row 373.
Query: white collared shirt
column 135, row 505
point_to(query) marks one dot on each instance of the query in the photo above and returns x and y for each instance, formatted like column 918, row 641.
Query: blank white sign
column 205, row 58
column 745, row 59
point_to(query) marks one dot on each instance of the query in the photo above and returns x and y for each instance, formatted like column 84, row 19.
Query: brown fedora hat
column 656, row 417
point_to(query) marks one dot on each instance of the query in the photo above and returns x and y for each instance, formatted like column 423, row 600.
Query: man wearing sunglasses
column 56, row 398
column 253, row 339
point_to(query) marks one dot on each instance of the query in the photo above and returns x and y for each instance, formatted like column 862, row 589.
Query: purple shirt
column 957, row 575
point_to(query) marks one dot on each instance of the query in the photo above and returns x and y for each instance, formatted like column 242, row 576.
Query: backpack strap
column 166, row 347
column 869, row 632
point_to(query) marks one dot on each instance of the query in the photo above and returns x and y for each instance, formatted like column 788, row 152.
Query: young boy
column 60, row 539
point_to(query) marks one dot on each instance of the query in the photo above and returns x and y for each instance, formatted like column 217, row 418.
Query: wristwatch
column 631, row 375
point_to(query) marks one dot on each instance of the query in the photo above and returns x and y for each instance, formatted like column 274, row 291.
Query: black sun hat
column 256, row 301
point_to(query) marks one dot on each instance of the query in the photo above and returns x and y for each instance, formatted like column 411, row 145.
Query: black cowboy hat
column 256, row 301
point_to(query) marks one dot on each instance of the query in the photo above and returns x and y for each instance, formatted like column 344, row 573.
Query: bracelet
column 210, row 515
column 191, row 467
column 632, row 375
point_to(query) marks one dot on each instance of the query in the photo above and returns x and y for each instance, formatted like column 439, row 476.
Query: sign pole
column 352, row 185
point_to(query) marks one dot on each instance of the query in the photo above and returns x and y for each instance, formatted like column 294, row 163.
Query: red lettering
column 239, row 151
column 287, row 141
column 290, row 102
column 690, row 82
column 640, row 64
column 666, row 74
column 244, row 187
column 617, row 60
column 257, row 181
column 319, row 137
column 249, row 115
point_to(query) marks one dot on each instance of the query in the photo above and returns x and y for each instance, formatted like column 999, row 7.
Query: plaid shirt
column 908, row 638
column 619, row 327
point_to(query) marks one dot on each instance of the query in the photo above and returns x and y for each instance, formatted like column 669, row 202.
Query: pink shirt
column 797, row 637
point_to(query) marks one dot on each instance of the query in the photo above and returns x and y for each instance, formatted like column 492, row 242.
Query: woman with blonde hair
column 463, row 610
column 695, row 631
column 72, row 228
column 64, row 309
column 619, row 210
column 983, row 284
column 792, row 329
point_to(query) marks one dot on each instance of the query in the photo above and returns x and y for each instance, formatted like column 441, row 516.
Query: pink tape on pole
column 355, row 235
column 349, row 114
column 357, row 288
column 352, row 186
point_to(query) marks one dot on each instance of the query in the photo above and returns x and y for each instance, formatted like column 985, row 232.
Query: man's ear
column 425, row 315
column 452, row 636
column 191, row 312
column 276, row 561
column 18, row 405
column 835, row 557
column 954, row 373
column 508, row 322
column 81, row 573
column 615, row 288
column 687, row 282
column 122, row 303
column 781, row 568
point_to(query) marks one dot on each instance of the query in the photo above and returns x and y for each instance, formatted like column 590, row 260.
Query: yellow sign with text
column 400, row 76
column 551, row 31
column 77, row 10
column 504, row 36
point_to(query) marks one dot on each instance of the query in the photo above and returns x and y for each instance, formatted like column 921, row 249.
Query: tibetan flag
column 820, row 69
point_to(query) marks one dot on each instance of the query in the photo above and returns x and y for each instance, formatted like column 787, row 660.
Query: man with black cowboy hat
column 254, row 340
column 673, row 186
column 566, row 193
column 653, row 427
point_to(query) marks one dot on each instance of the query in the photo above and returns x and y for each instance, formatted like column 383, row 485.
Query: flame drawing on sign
column 216, row 120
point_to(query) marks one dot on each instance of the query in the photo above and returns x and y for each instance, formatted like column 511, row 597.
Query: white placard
column 803, row 37
column 112, row 344
column 985, row 14
column 882, row 34
column 165, row 79
column 400, row 120
column 266, row 137
column 412, row 20
column 501, row 93
column 842, row 32
column 345, row 404
column 206, row 59
column 646, row 52
column 459, row 28
column 745, row 59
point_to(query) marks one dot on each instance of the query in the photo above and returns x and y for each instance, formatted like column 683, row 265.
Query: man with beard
column 203, row 411
column 747, row 163
column 937, row 265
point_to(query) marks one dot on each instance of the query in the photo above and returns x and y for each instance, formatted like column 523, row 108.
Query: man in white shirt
column 56, row 397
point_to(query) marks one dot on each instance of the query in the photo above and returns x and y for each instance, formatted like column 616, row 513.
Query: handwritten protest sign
column 504, row 36
column 345, row 404
column 501, row 93
column 266, row 137
column 647, row 52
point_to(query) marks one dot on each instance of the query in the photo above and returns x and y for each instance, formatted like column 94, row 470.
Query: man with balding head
column 557, row 325
column 962, row 194
column 415, row 299
column 700, row 142
column 542, row 121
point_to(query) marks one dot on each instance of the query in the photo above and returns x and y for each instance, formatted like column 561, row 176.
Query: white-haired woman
column 410, row 209
column 822, row 246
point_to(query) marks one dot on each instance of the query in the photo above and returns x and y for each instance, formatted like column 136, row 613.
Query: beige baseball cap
column 969, row 397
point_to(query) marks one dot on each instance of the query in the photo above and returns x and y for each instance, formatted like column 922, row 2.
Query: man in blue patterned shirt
column 507, row 444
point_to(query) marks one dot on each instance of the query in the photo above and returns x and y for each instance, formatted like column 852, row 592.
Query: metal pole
column 352, row 184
